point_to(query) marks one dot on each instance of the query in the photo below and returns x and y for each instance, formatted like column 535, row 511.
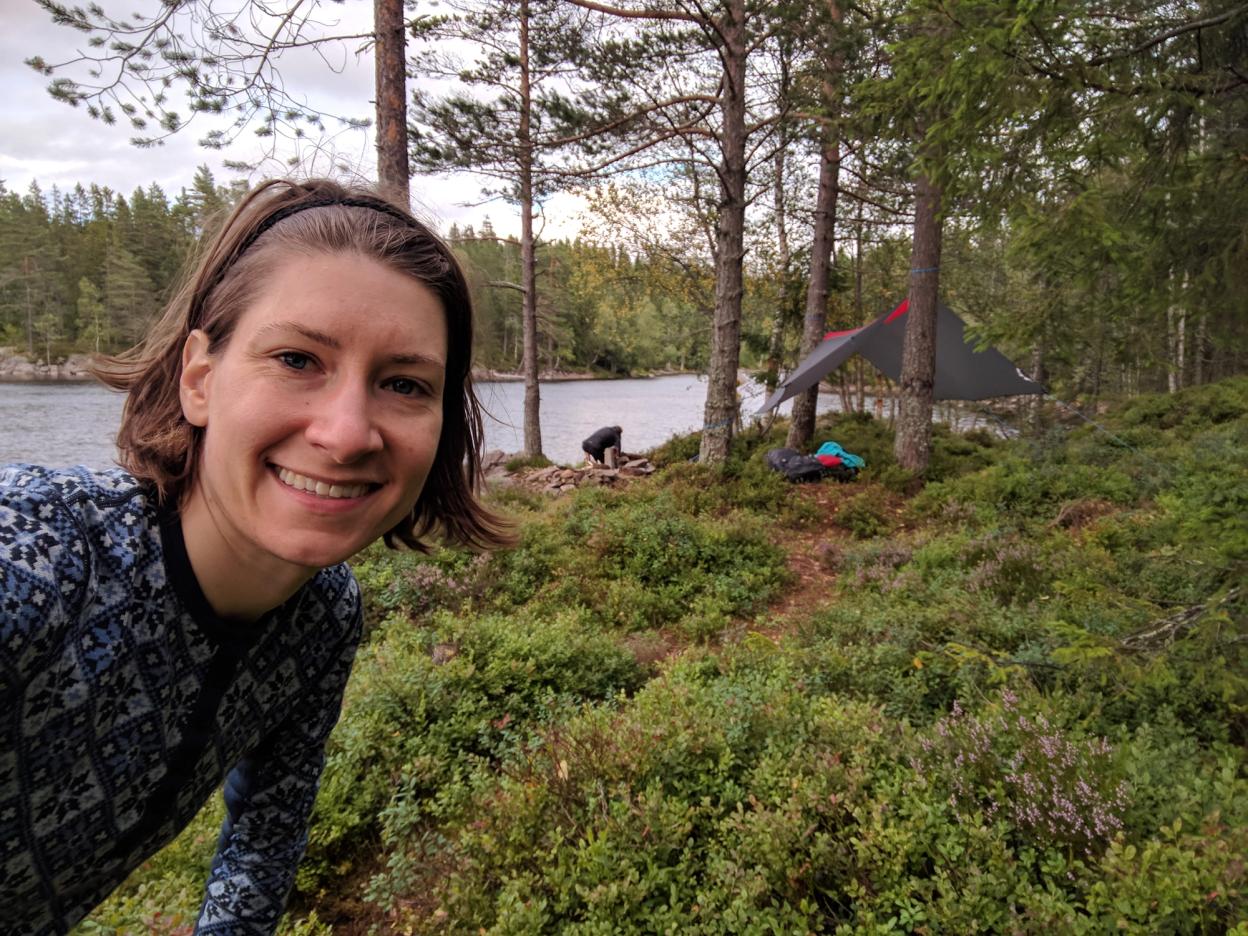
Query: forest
column 1068, row 178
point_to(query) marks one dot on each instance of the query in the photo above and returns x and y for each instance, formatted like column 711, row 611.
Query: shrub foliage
column 1021, row 704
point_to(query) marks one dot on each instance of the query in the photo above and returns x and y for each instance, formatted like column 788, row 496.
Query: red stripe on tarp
column 848, row 331
column 896, row 313
column 900, row 310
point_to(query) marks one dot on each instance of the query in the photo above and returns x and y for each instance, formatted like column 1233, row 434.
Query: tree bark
column 1040, row 376
column 720, row 414
column 393, row 173
column 528, row 278
column 1198, row 358
column 913, row 444
column 859, row 369
column 802, row 423
column 775, row 348
column 805, row 405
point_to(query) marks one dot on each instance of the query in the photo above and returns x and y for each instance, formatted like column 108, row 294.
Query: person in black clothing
column 598, row 443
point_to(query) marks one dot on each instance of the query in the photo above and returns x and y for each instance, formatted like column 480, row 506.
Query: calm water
column 74, row 423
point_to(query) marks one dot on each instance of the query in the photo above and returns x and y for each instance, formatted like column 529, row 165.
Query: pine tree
column 129, row 297
column 94, row 325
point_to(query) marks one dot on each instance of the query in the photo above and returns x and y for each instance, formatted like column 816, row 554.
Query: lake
column 75, row 423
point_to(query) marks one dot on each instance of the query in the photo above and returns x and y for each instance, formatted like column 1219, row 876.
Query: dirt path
column 811, row 559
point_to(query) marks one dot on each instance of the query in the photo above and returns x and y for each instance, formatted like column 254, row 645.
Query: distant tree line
column 87, row 269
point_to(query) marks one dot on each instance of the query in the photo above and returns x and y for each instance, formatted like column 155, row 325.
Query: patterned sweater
column 124, row 703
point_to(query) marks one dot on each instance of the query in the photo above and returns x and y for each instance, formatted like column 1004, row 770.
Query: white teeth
column 320, row 488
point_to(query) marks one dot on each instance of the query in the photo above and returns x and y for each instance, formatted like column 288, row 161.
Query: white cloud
column 44, row 140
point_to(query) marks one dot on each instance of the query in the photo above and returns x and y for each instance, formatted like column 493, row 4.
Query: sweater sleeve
column 268, row 799
column 44, row 569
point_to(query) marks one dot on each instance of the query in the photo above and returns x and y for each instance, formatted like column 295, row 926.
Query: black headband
column 321, row 201
column 315, row 201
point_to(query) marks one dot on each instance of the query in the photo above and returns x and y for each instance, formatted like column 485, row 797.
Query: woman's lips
column 327, row 489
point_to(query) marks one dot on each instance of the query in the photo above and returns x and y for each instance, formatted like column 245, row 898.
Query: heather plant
column 1009, row 569
column 879, row 566
column 1043, row 779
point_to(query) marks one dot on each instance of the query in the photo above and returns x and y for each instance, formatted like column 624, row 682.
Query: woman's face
column 323, row 411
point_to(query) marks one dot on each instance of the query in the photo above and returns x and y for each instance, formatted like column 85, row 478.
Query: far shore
column 16, row 368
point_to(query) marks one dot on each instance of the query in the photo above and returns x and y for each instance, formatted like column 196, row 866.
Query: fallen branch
column 1163, row 633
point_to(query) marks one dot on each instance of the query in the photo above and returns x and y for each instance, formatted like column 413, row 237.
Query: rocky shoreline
column 15, row 367
column 562, row 479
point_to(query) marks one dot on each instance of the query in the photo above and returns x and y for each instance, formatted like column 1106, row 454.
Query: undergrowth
column 1021, row 707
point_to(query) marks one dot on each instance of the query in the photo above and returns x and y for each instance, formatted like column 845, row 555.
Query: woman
column 189, row 618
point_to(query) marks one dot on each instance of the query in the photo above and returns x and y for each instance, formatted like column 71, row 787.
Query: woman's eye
column 294, row 360
column 404, row 386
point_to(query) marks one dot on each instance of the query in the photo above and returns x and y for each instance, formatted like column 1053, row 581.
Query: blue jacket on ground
column 125, row 702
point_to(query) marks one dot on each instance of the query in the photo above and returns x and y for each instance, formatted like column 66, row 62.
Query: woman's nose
column 342, row 424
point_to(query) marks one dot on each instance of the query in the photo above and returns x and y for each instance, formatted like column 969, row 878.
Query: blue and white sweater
column 125, row 701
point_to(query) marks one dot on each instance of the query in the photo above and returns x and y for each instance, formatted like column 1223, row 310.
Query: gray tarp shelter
column 962, row 373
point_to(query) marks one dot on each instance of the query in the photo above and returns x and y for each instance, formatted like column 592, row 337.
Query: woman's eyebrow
column 309, row 333
column 417, row 359
column 329, row 341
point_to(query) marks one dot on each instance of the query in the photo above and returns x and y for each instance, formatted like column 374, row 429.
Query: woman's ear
column 196, row 377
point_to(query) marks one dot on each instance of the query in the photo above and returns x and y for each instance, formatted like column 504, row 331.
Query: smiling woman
column 189, row 619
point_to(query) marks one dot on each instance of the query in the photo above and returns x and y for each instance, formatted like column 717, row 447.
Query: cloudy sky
column 47, row 141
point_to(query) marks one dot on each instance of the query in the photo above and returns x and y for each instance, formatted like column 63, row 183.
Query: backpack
column 795, row 466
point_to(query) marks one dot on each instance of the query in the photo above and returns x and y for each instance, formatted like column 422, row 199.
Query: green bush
column 1062, row 608
column 865, row 514
column 426, row 706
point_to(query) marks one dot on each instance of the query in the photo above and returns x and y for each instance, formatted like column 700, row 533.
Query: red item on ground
column 829, row 461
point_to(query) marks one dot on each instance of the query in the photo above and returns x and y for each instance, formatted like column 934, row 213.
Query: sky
column 45, row 140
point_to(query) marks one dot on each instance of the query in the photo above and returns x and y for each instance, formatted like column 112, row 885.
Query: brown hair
column 278, row 218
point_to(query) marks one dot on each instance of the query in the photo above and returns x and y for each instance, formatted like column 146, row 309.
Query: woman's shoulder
column 35, row 484
column 55, row 517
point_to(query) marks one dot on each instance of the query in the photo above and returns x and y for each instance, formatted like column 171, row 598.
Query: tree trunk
column 393, row 173
column 805, row 405
column 859, row 369
column 1198, row 357
column 802, row 423
column 720, row 414
column 1039, row 375
column 775, row 349
column 528, row 278
column 913, row 445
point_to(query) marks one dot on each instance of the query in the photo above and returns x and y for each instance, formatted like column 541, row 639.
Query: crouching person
column 595, row 447
column 188, row 619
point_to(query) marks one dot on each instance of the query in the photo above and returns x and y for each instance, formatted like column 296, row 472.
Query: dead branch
column 1165, row 632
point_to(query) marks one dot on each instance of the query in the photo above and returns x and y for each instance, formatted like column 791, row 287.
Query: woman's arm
column 268, row 798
